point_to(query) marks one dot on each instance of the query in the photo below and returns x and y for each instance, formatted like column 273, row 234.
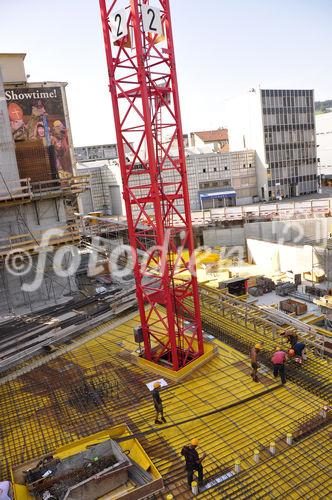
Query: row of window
column 288, row 118
column 292, row 180
column 220, row 158
column 303, row 161
column 289, row 145
column 214, row 169
column 214, row 184
column 285, row 158
column 294, row 109
column 235, row 167
column 294, row 137
column 290, row 93
column 289, row 127
column 293, row 172
column 302, row 178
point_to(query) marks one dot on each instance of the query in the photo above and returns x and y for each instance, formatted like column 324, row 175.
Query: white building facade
column 221, row 179
column 324, row 143
column 105, row 193
column 215, row 180
column 280, row 126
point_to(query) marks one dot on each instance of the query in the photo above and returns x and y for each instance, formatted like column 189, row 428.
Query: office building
column 280, row 126
column 218, row 179
column 38, row 192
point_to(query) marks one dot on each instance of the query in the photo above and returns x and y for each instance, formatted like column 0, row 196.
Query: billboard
column 37, row 118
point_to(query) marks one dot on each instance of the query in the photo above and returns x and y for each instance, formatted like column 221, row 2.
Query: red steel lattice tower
column 143, row 86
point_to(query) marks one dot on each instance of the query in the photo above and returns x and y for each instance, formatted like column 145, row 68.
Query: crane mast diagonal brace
column 144, row 91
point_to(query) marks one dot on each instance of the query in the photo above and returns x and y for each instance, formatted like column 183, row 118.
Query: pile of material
column 284, row 289
column 263, row 285
column 293, row 306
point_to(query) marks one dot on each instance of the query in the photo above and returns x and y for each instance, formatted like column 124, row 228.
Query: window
column 249, row 165
column 244, row 165
column 204, row 170
column 226, row 168
column 214, row 169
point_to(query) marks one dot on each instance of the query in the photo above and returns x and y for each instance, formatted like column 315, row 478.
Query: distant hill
column 323, row 106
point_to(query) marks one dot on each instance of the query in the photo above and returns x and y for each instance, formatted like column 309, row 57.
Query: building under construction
column 79, row 369
column 38, row 187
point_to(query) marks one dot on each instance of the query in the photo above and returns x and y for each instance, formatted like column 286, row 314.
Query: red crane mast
column 143, row 85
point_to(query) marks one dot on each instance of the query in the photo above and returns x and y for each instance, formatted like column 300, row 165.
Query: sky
column 222, row 49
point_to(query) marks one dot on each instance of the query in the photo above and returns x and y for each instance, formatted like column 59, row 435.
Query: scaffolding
column 52, row 204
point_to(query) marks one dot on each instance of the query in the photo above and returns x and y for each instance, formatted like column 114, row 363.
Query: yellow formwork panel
column 302, row 470
column 131, row 446
column 244, row 324
column 42, row 410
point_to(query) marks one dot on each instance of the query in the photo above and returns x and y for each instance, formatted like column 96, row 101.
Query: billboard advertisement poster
column 37, row 115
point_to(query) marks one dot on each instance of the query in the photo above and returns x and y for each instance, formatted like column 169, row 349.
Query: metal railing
column 24, row 189
column 278, row 211
column 31, row 241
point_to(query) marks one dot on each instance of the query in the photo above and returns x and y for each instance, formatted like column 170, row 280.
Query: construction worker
column 193, row 462
column 299, row 352
column 158, row 404
column 253, row 358
column 292, row 338
column 278, row 360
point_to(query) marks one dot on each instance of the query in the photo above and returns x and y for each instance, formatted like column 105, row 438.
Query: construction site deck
column 95, row 382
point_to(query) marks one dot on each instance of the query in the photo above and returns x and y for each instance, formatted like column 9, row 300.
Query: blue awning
column 229, row 193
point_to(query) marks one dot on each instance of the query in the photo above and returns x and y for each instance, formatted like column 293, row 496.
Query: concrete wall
column 12, row 66
column 244, row 201
column 298, row 232
column 104, row 185
column 86, row 201
column 275, row 257
column 22, row 219
column 116, row 199
column 224, row 236
column 52, row 290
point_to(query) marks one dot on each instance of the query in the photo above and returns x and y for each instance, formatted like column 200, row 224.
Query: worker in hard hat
column 158, row 404
column 278, row 360
column 253, row 359
column 193, row 462
column 300, row 352
column 292, row 338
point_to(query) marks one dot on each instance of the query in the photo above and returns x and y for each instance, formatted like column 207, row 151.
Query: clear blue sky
column 222, row 48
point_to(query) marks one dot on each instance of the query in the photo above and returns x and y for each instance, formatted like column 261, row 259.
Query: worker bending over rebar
column 193, row 462
column 278, row 360
column 253, row 358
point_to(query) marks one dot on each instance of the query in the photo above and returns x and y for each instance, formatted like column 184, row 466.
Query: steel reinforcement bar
column 241, row 326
